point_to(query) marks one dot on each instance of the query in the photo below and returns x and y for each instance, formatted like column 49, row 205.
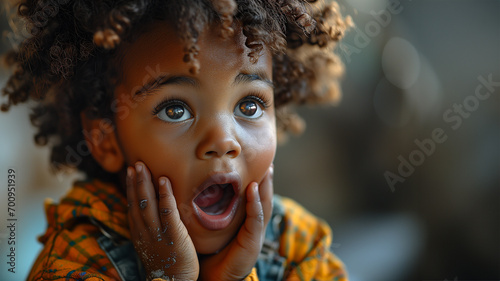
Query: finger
column 266, row 194
column 167, row 207
column 130, row 182
column 134, row 217
column 173, row 228
column 250, row 235
column 146, row 198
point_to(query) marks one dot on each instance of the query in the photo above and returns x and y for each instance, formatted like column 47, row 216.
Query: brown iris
column 248, row 108
column 175, row 112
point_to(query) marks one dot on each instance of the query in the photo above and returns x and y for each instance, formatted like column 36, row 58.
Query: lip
column 221, row 221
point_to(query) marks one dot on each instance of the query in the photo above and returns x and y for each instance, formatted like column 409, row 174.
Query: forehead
column 160, row 49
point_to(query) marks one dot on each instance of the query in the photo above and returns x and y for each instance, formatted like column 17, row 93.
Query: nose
column 219, row 140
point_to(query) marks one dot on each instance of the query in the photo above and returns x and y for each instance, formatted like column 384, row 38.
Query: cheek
column 160, row 149
column 163, row 156
column 259, row 151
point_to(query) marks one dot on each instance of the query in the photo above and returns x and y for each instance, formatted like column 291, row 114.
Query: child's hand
column 158, row 234
column 237, row 259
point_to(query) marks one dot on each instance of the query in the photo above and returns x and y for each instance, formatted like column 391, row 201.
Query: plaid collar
column 95, row 200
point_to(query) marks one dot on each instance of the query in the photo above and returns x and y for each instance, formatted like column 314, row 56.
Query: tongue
column 210, row 196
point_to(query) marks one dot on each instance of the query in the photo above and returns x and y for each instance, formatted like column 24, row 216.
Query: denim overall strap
column 270, row 265
column 121, row 253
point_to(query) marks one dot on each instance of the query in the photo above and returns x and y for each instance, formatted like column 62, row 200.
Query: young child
column 172, row 109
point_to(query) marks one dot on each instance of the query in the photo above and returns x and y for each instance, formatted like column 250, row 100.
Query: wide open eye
column 248, row 108
column 173, row 112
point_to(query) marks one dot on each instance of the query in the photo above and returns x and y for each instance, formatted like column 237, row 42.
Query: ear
column 102, row 142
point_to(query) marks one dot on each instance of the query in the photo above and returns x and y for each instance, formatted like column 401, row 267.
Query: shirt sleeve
column 306, row 244
column 252, row 276
column 73, row 255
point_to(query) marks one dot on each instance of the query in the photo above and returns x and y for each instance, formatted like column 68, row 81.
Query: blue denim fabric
column 270, row 265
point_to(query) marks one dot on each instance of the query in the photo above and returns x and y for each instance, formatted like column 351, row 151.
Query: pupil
column 175, row 112
column 248, row 108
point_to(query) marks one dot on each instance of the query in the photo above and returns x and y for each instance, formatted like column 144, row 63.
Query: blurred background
column 405, row 169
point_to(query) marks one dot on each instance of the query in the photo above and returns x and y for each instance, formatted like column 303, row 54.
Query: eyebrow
column 257, row 76
column 162, row 80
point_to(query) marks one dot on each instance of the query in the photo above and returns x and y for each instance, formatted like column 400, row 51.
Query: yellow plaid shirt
column 71, row 251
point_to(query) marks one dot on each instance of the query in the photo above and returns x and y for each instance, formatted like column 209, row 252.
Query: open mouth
column 218, row 200
column 215, row 199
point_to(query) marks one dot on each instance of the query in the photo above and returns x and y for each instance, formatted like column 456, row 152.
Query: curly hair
column 65, row 63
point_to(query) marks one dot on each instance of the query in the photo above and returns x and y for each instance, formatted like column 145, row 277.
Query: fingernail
column 256, row 192
column 255, row 188
column 163, row 181
column 138, row 167
column 129, row 172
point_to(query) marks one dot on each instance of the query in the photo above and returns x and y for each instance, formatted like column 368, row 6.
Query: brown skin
column 214, row 137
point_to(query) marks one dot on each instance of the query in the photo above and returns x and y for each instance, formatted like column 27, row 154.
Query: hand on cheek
column 236, row 261
column 158, row 234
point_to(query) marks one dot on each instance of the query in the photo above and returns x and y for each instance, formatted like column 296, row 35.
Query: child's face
column 198, row 129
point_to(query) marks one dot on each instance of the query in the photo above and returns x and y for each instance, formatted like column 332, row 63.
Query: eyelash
column 169, row 102
column 260, row 98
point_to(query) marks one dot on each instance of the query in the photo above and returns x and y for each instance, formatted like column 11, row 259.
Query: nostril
column 218, row 146
column 232, row 153
column 210, row 153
